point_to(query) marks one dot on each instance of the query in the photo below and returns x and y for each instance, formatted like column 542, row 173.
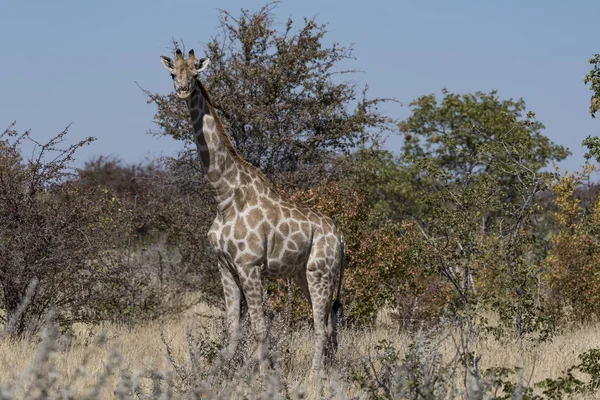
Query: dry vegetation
column 113, row 361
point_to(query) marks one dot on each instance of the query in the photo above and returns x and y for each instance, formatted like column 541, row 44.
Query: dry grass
column 107, row 361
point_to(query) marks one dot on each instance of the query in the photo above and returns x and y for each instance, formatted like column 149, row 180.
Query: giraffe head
column 184, row 72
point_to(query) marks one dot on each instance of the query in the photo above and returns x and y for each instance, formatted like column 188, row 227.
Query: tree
column 466, row 136
column 475, row 134
column 279, row 94
column 593, row 79
column 458, row 127
column 391, row 187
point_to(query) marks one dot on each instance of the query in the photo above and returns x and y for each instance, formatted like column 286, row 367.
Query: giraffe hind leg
column 321, row 289
column 332, row 331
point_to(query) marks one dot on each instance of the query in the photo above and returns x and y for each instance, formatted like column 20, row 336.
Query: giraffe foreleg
column 252, row 289
column 233, row 307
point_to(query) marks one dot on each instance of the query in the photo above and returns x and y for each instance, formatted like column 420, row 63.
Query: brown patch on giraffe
column 312, row 267
column 230, row 176
column 213, row 175
column 266, row 202
column 265, row 227
column 227, row 164
column 209, row 122
column 273, row 214
column 254, row 217
column 313, row 217
column 226, row 230
column 297, row 215
column 277, row 237
column 245, row 179
column 253, row 273
column 241, row 245
column 251, row 196
column 331, row 241
column 287, row 213
column 287, row 270
column 301, row 257
column 275, row 197
column 264, row 189
column 284, row 228
column 254, row 243
column 305, row 226
column 275, row 247
column 298, row 238
column 294, row 226
column 239, row 198
column 239, row 231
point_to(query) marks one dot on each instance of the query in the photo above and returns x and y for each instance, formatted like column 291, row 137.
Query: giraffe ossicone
column 257, row 232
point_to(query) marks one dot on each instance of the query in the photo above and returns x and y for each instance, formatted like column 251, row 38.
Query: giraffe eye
column 173, row 76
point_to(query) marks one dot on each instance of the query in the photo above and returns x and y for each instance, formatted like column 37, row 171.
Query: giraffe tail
column 338, row 306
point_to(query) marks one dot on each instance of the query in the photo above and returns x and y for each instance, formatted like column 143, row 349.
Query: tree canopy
column 458, row 127
column 466, row 136
column 593, row 79
column 280, row 93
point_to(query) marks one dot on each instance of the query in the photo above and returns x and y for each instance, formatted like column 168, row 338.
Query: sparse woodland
column 473, row 264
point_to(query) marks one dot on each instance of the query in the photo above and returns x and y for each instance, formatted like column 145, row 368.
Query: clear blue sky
column 77, row 61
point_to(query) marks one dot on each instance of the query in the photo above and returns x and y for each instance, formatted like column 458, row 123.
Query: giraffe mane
column 227, row 141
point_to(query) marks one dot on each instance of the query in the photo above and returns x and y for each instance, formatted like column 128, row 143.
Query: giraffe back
column 261, row 227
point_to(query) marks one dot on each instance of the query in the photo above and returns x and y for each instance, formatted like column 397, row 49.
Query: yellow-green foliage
column 573, row 262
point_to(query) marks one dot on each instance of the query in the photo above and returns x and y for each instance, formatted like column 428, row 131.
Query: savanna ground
column 152, row 360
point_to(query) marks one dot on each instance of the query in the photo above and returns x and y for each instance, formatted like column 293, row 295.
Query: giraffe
column 258, row 233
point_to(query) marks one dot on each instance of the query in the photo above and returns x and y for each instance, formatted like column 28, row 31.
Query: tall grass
column 172, row 358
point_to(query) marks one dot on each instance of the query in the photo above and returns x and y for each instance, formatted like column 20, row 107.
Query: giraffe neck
column 218, row 163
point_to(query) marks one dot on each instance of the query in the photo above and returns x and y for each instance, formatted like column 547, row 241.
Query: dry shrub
column 382, row 268
column 89, row 245
column 48, row 228
column 572, row 273
column 167, row 209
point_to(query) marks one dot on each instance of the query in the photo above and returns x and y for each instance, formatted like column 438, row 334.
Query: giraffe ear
column 202, row 63
column 167, row 63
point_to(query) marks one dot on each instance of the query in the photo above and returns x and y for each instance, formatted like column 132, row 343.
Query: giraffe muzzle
column 182, row 92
